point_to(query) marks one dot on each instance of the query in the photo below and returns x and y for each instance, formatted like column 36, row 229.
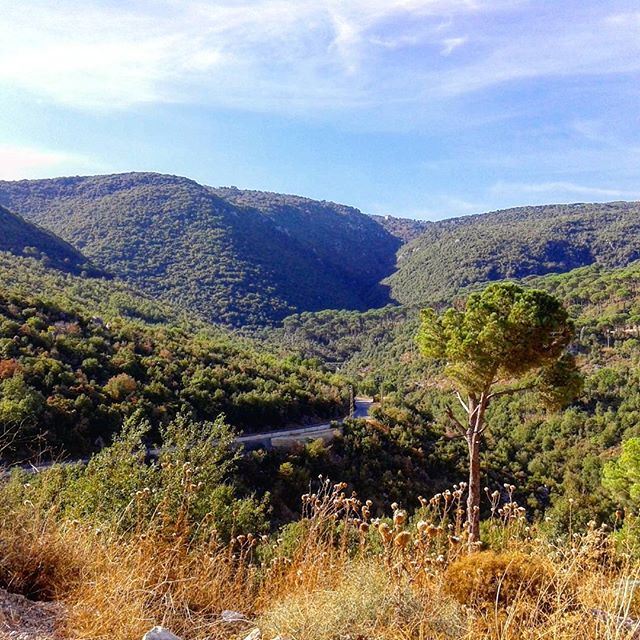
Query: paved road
column 300, row 435
column 269, row 439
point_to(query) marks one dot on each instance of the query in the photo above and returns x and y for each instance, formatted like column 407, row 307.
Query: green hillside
column 514, row 243
column 347, row 242
column 405, row 229
column 379, row 344
column 77, row 356
column 249, row 259
column 551, row 457
column 23, row 238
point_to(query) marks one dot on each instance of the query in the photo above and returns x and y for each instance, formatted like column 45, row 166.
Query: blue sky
column 418, row 108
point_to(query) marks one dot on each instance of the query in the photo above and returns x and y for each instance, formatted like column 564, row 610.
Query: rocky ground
column 23, row 619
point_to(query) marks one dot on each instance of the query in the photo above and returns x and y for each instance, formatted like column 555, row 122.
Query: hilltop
column 236, row 258
column 452, row 254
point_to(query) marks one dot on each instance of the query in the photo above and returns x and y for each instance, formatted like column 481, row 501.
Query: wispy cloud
column 559, row 190
column 296, row 54
column 449, row 44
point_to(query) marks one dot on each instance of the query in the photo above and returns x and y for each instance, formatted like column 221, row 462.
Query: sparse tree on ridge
column 506, row 340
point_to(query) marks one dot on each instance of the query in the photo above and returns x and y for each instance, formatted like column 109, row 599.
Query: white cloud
column 593, row 44
column 298, row 55
column 260, row 53
column 449, row 44
column 17, row 162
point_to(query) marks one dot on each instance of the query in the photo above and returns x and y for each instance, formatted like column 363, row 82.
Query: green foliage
column 395, row 458
column 622, row 475
column 191, row 487
column 233, row 257
column 69, row 377
column 19, row 404
column 515, row 243
column 405, row 229
column 503, row 332
column 25, row 239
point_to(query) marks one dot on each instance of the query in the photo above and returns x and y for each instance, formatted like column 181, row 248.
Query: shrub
column 489, row 580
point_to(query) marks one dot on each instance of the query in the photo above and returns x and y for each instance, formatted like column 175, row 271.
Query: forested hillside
column 406, row 229
column 23, row 238
column 551, row 457
column 249, row 259
column 604, row 302
column 514, row 243
column 78, row 356
column 347, row 242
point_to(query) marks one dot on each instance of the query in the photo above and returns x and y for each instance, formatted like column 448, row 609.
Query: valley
column 319, row 320
column 226, row 330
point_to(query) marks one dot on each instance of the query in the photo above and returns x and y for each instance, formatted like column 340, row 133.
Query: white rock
column 256, row 634
column 159, row 633
column 233, row 616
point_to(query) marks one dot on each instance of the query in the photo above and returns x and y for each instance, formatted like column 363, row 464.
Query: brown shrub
column 36, row 559
column 9, row 368
column 489, row 580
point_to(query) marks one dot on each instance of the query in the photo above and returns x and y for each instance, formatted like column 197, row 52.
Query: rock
column 233, row 616
column 159, row 633
column 256, row 634
column 23, row 619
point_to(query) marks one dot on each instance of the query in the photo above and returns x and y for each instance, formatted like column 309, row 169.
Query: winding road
column 300, row 435
column 268, row 439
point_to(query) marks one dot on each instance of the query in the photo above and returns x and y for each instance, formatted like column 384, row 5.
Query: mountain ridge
column 232, row 263
column 249, row 258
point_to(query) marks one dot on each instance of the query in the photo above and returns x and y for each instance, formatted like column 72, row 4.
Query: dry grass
column 341, row 576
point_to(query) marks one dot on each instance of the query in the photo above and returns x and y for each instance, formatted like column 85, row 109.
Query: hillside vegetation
column 251, row 258
column 406, row 229
column 552, row 457
column 124, row 545
column 235, row 258
column 380, row 550
column 452, row 254
column 23, row 238
column 69, row 377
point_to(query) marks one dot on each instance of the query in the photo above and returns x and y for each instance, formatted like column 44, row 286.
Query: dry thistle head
column 402, row 539
column 399, row 517
column 385, row 532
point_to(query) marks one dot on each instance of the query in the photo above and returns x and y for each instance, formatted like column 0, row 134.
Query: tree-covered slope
column 23, row 238
column 352, row 245
column 237, row 261
column 514, row 243
column 405, row 229
column 78, row 356
column 553, row 458
column 379, row 344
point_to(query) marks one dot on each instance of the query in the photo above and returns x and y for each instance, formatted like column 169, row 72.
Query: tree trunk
column 477, row 407
column 473, row 499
